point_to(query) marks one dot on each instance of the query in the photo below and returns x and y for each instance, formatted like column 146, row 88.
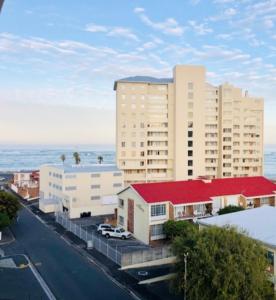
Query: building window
column 190, row 85
column 70, row 176
column 117, row 184
column 50, row 173
column 95, row 197
column 190, row 163
column 190, row 105
column 264, row 201
column 123, row 144
column 190, row 172
column 95, row 175
column 95, row 186
column 117, row 174
column 141, row 144
column 70, row 188
column 190, row 153
column 190, row 134
column 156, row 230
column 121, row 203
column 121, row 220
column 190, row 95
column 190, row 143
column 190, row 115
column 158, row 210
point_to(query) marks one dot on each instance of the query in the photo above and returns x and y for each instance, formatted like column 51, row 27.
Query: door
column 130, row 216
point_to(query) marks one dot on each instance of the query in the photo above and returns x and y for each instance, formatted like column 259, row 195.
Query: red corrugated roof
column 193, row 191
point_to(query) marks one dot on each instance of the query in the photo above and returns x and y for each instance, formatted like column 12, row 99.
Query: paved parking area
column 129, row 245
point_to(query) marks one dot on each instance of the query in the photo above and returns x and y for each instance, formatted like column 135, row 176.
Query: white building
column 80, row 190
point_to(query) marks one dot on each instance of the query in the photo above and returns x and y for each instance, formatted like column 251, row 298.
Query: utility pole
column 1, row 4
column 185, row 274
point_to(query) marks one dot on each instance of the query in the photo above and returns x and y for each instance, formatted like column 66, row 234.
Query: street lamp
column 185, row 273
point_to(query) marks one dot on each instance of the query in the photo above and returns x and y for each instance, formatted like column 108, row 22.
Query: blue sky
column 59, row 59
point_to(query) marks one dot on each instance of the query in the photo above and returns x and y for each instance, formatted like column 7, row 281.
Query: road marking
column 41, row 281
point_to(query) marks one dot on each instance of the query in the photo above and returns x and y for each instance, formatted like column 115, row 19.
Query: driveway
column 68, row 274
column 129, row 245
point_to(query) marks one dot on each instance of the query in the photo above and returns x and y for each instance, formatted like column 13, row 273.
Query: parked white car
column 117, row 232
column 102, row 227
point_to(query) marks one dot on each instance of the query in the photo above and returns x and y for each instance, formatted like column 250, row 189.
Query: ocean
column 13, row 158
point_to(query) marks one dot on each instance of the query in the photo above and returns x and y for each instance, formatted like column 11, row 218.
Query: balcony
column 187, row 212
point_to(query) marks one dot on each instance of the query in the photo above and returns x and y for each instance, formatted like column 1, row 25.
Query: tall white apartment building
column 80, row 190
column 184, row 128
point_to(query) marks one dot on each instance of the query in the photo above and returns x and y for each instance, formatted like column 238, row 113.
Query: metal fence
column 120, row 256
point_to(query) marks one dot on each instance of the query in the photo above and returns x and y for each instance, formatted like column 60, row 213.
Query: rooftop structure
column 85, row 168
column 258, row 223
column 189, row 191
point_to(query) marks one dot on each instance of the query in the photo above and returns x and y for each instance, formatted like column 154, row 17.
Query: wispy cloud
column 200, row 28
column 170, row 26
column 112, row 31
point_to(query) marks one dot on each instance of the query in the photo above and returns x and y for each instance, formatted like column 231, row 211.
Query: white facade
column 80, row 189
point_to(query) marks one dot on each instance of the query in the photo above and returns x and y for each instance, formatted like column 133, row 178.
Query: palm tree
column 100, row 159
column 76, row 156
column 63, row 157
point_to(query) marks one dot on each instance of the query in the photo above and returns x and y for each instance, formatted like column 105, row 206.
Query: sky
column 59, row 59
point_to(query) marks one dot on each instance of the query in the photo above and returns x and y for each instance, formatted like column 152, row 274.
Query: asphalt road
column 68, row 274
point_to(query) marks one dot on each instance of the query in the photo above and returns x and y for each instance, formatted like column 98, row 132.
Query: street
column 68, row 274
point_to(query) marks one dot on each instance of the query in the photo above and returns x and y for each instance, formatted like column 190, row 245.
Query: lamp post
column 185, row 273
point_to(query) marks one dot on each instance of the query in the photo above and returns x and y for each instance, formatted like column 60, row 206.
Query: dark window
column 190, row 163
column 190, row 172
column 190, row 143
column 190, row 153
column 190, row 134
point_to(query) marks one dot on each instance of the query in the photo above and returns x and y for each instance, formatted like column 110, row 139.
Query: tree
column 223, row 264
column 63, row 158
column 100, row 159
column 9, row 205
column 76, row 156
column 179, row 228
column 4, row 221
column 230, row 209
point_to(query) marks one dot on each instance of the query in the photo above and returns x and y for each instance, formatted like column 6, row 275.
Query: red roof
column 193, row 191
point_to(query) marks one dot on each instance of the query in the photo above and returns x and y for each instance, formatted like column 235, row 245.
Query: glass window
column 95, row 186
column 70, row 188
column 95, row 175
column 190, row 172
column 121, row 220
column 121, row 203
column 157, row 229
column 95, row 197
column 190, row 85
column 117, row 174
column 117, row 184
column 158, row 210
column 190, row 153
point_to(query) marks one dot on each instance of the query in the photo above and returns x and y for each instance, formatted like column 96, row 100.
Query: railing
column 121, row 256
column 91, row 239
